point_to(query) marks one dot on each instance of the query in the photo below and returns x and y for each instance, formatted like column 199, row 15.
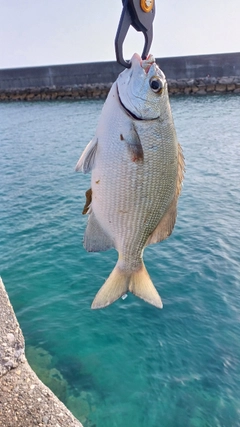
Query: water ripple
column 131, row 364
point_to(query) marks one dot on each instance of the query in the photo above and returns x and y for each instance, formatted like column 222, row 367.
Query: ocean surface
column 129, row 365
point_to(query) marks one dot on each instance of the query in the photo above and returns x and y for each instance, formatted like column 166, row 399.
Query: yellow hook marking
column 147, row 5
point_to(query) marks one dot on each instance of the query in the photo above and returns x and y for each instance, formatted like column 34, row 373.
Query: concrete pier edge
column 189, row 75
column 24, row 400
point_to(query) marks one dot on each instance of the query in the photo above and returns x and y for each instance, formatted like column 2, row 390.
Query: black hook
column 140, row 14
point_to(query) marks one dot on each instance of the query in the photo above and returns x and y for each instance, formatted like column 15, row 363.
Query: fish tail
column 120, row 282
column 141, row 285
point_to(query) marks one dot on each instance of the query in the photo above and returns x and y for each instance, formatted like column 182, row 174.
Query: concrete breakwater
column 189, row 75
column 24, row 400
column 203, row 86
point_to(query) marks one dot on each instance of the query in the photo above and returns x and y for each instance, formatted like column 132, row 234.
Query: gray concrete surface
column 24, row 400
column 190, row 67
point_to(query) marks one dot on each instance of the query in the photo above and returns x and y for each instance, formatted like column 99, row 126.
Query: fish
column 137, row 168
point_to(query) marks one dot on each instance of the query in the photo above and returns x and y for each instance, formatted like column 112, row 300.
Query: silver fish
column 137, row 170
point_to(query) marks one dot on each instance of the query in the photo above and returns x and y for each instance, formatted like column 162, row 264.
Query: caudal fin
column 120, row 282
column 141, row 285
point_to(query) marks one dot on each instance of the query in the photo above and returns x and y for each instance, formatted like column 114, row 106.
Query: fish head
column 142, row 88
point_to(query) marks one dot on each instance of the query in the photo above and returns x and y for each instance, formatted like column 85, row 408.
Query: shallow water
column 131, row 364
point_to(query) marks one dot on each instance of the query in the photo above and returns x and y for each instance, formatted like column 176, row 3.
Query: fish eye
column 156, row 84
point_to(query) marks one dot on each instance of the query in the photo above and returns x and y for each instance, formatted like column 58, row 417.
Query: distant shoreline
column 188, row 75
column 203, row 86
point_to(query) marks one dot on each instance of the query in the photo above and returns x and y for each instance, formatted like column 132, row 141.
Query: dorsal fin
column 167, row 222
column 181, row 170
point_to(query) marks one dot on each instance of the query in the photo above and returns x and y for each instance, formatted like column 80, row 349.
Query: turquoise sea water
column 129, row 365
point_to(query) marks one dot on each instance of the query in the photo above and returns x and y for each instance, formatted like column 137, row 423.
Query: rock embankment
column 77, row 92
column 24, row 400
column 200, row 86
column 204, row 86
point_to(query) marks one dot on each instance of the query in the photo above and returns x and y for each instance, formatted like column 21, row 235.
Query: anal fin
column 95, row 238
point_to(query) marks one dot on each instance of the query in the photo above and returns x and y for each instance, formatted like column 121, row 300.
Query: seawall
column 189, row 75
column 24, row 400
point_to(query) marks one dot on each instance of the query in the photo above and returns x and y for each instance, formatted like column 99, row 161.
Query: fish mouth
column 145, row 64
column 140, row 69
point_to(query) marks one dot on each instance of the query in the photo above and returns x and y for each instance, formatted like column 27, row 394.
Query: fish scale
column 137, row 169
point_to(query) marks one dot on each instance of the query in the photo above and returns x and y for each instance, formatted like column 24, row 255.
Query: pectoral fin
column 167, row 222
column 86, row 161
column 134, row 145
column 95, row 238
